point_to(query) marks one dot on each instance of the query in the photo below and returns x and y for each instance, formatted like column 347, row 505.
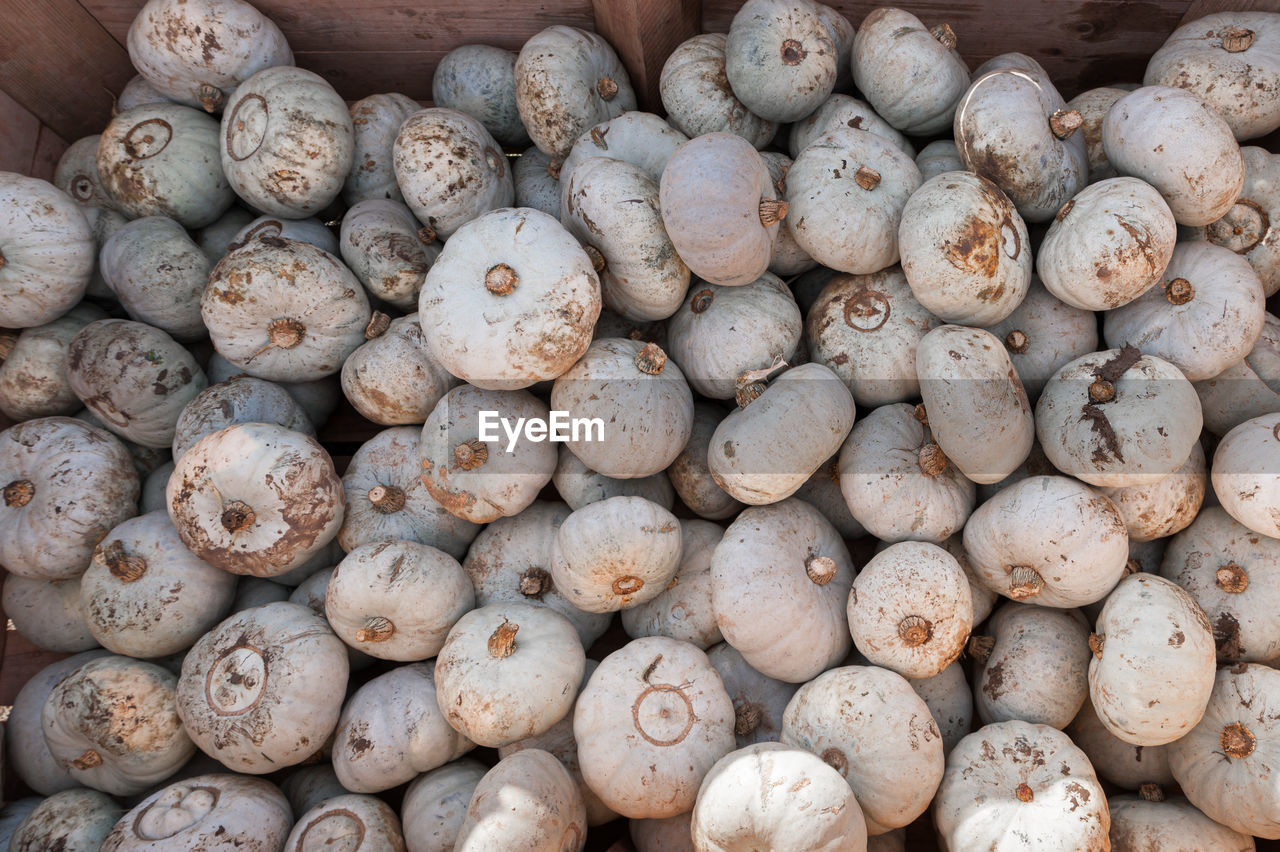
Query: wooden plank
column 59, row 63
column 19, row 133
column 22, row 660
column 388, row 26
column 1199, row 8
column 49, row 149
column 1080, row 44
column 644, row 33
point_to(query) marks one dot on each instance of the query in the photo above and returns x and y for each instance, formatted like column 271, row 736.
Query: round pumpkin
column 1037, row 670
column 47, row 613
column 375, row 123
column 77, row 173
column 1093, row 106
column 579, row 485
column 758, row 700
column 697, row 97
column 383, row 245
column 46, row 251
column 33, row 377
column 72, row 820
column 912, row 75
column 528, row 801
column 1161, row 508
column 780, row 58
column 480, row 80
column 393, row 378
column 1044, row 334
column 435, row 805
column 537, row 182
column 1123, row 764
column 682, row 610
column 158, row 273
column 843, row 111
column 221, row 813
column 1252, row 226
column 1244, row 473
column 360, row 823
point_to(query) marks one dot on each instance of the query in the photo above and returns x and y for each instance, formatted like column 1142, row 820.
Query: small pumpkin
column 263, row 689
column 243, row 399
column 780, row 58
column 287, row 142
column 26, row 754
column 215, row 239
column 47, row 613
column 162, row 160
column 393, row 379
column 843, row 111
column 537, row 182
column 682, row 610
column 375, row 123
column 912, row 75
column 1151, row 818
column 284, row 310
column 435, row 804
column 1243, row 473
column 568, row 80
column 220, row 812
column 1252, row 226
column 1093, row 106
column 112, row 723
column 46, row 251
column 51, row 520
column 136, row 92
column 77, row 173
column 640, row 138
column 528, row 796
column 579, row 485
column 949, row 699
column 310, row 230
column 508, row 671
column 697, row 97
column 71, row 820
column 397, row 600
column 1037, row 670
column 1174, row 141
column 1161, row 508
column 1123, row 764
column 383, row 245
column 1044, row 334
column 146, row 595
column 158, row 273
column 33, row 377
column 450, row 169
column 965, row 250
column 937, row 157
column 788, row 258
column 480, row 80
column 255, row 498
column 690, row 475
column 758, row 700
column 360, row 822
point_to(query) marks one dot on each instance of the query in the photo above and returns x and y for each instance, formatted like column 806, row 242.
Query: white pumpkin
column 650, row 723
column 162, row 160
column 383, row 245
column 579, row 485
column 1149, row 818
column 1042, row 335
column 215, row 240
column 221, row 813
column 375, row 123
column 361, row 823
column 1049, row 540
column 1244, row 473
column 263, row 689
column 642, row 139
column 240, row 400
column 71, row 820
column 310, row 230
column 1161, row 508
column 1108, row 245
column 393, row 378
column 1123, row 764
column 33, row 376
column 113, row 725
column 537, row 182
column 776, row 566
column 567, row 81
column 976, row 406
column 690, row 475
column 480, row 80
column 527, row 802
column 950, row 701
column 508, row 671
column 450, row 169
column 849, row 176
column 287, row 142
column 198, row 53
column 937, row 157
column 867, row 724
column 1118, row 418
column 158, row 273
column 503, row 311
column 788, row 258
column 843, row 111
column 255, row 498
column 1153, row 664
column 784, row 798
column 146, row 595
column 52, row 520
column 697, row 97
column 392, row 729
column 44, row 269
column 47, row 613
column 682, row 610
column 26, row 754
column 912, row 75
column 780, row 58
column 397, row 600
column 758, row 700
column 385, row 499
column 1227, row 568
column 1252, row 226
column 1174, row 141
column 1015, row 785
column 1093, row 106
column 435, row 805
column 77, row 173
column 1037, row 670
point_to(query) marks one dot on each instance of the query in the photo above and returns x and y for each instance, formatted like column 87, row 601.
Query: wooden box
column 62, row 62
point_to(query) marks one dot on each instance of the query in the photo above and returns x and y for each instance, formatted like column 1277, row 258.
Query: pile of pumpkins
column 1025, row 372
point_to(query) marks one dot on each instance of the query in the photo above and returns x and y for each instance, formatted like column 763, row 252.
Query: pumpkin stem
column 596, row 258
column 627, row 585
column 210, row 97
column 19, row 493
column 945, row 36
column 1237, row 740
column 793, row 52
column 651, row 359
column 1232, row 578
column 1025, row 793
column 501, row 279
column 88, row 760
column 8, row 337
column 1017, row 341
column 376, row 629
column 598, row 137
column 867, row 178
column 471, row 454
column 502, row 643
column 746, row 719
column 123, row 567
column 835, row 758
column 553, row 168
column 427, row 234
column 1132, row 566
column 752, row 383
column 921, row 414
column 821, row 569
column 1024, row 582
column 980, row 647
column 1064, row 210
column 1237, row 39
column 1, row 260
column 378, row 325
column 1102, row 390
column 748, row 394
column 932, row 459
column 386, row 499
column 1097, row 641
column 701, row 301
column 283, row 333
column 773, row 211
column 237, row 515
column 535, row 582
column 1151, row 792
column 915, row 630
column 1064, row 122
column 1180, row 291
column 606, row 88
